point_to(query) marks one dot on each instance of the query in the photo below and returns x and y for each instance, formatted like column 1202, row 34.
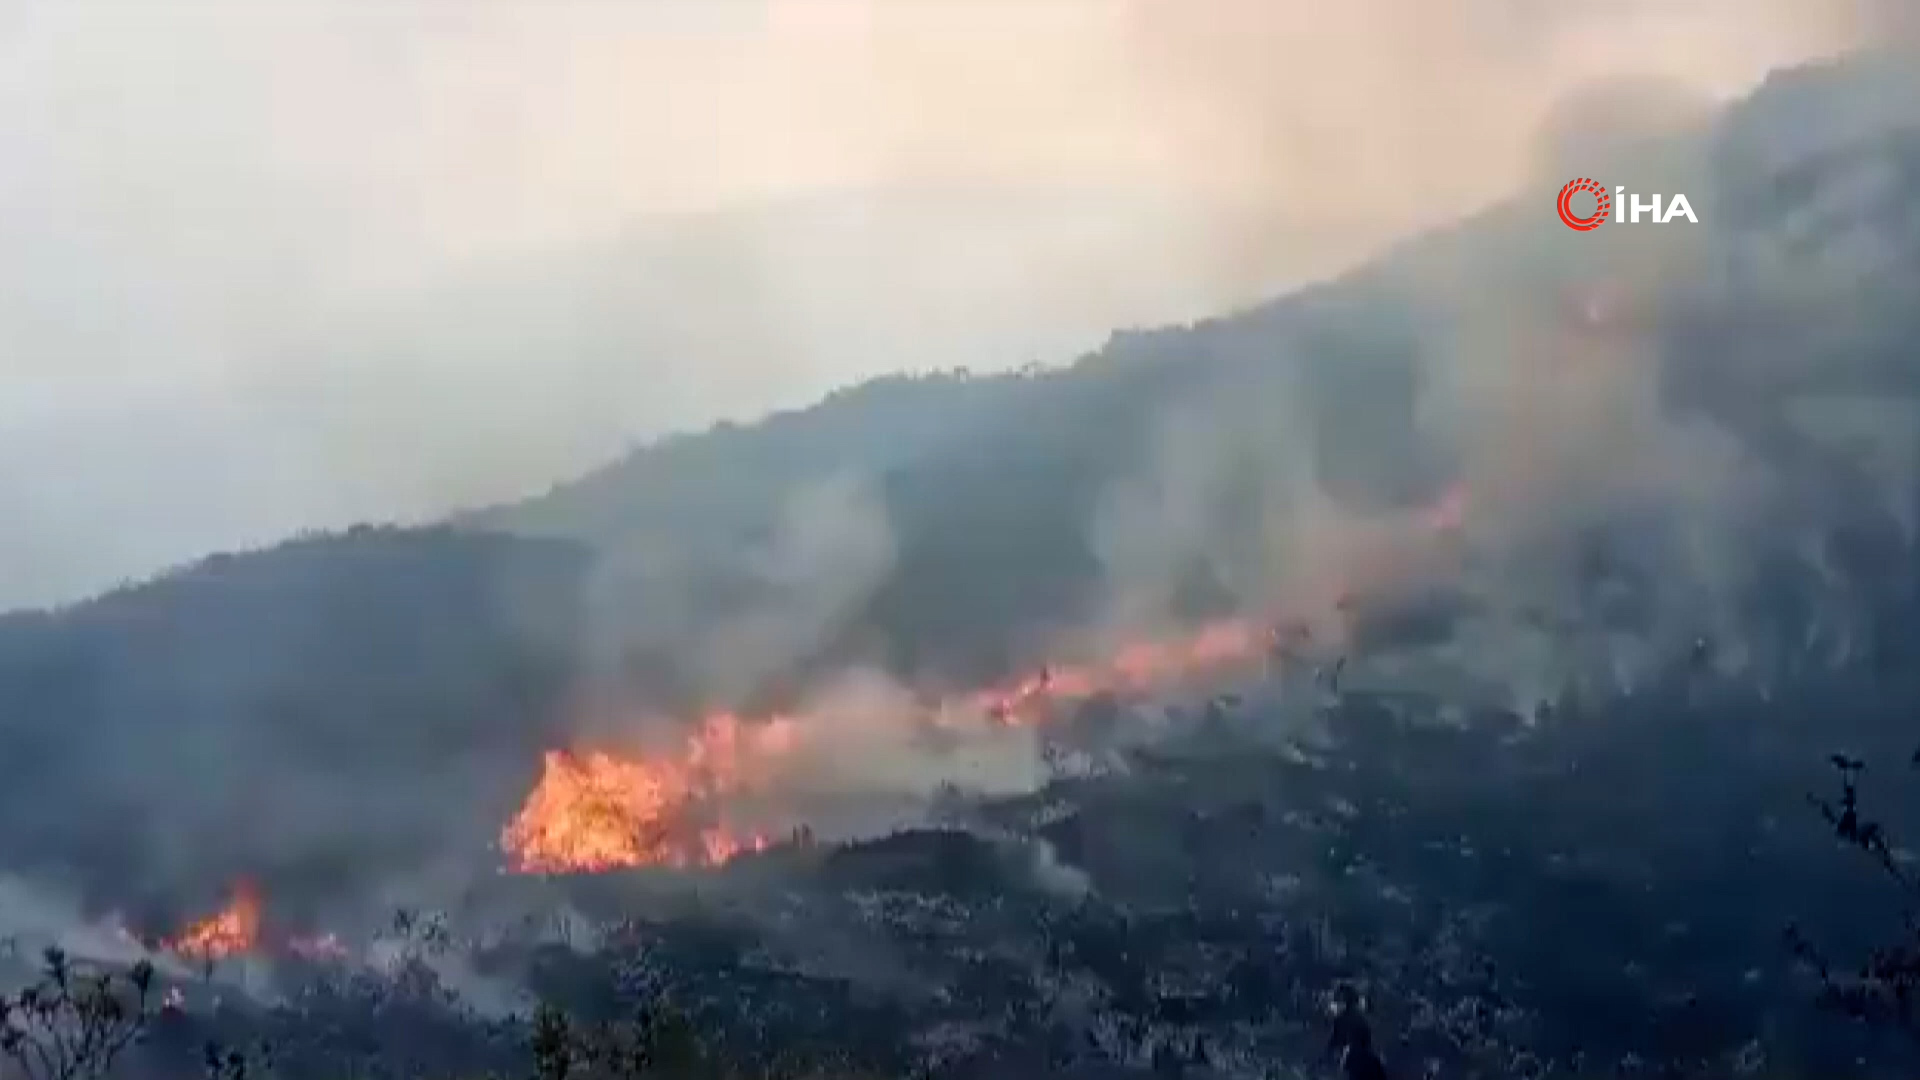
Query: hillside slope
column 367, row 703
column 998, row 495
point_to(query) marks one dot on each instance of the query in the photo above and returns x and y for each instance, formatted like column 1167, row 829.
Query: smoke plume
column 287, row 239
column 1584, row 453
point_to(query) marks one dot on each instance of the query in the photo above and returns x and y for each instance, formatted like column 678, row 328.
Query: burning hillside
column 599, row 810
column 731, row 784
column 231, row 930
column 596, row 810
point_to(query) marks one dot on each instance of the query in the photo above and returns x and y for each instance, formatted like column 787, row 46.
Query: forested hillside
column 1590, row 545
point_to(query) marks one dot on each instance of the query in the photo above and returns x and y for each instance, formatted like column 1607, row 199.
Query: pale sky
column 274, row 264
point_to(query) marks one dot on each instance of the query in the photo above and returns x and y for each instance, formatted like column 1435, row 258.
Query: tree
column 1884, row 987
column 73, row 1024
column 656, row 1043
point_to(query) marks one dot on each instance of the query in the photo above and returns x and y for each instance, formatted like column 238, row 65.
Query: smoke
column 859, row 746
column 1159, row 532
column 746, row 613
column 1640, row 443
column 34, row 918
column 832, row 548
column 357, row 717
column 1482, row 463
column 377, row 311
column 380, row 262
column 1053, row 876
column 762, row 624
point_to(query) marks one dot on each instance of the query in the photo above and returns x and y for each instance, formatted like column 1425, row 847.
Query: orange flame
column 718, row 845
column 595, row 811
column 1137, row 666
column 234, row 929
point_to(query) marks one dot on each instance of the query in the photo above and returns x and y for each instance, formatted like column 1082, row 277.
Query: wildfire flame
column 1136, row 666
column 233, row 929
column 236, row 930
column 595, row 811
column 719, row 845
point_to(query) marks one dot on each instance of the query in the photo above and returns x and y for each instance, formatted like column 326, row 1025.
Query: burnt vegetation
column 1604, row 892
column 1619, row 879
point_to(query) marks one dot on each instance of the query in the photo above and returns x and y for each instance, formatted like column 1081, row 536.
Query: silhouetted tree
column 1883, row 987
column 72, row 1024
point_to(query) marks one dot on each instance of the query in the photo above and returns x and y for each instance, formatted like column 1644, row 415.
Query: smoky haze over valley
column 1427, row 595
column 1534, row 390
column 273, row 267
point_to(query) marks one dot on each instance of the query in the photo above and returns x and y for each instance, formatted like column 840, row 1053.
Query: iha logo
column 1623, row 210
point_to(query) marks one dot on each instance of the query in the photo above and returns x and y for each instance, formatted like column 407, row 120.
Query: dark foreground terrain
column 1606, row 892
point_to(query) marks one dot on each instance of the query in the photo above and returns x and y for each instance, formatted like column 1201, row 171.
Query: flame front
column 1137, row 666
column 594, row 811
column 234, row 929
column 719, row 845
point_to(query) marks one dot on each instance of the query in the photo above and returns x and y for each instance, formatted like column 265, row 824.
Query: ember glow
column 596, row 810
column 234, row 929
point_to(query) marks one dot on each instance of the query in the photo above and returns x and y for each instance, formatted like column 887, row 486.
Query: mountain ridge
column 945, row 529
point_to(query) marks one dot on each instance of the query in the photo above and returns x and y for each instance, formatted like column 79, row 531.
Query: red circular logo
column 1603, row 207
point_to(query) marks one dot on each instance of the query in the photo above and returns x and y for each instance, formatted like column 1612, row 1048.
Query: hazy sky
column 268, row 264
